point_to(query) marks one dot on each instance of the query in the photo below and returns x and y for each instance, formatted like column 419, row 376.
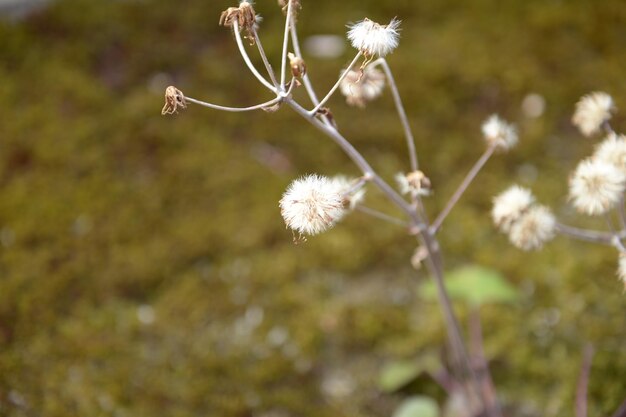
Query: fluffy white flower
column 359, row 88
column 621, row 269
column 592, row 111
column 374, row 39
column 510, row 205
column 312, row 205
column 595, row 187
column 350, row 190
column 533, row 228
column 612, row 150
column 499, row 133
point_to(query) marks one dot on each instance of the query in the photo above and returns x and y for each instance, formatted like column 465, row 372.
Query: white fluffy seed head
column 621, row 268
column 595, row 187
column 592, row 110
column 374, row 39
column 312, row 205
column 359, row 88
column 509, row 206
column 499, row 133
column 349, row 189
column 535, row 227
column 612, row 150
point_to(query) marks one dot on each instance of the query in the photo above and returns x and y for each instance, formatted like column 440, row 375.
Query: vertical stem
column 246, row 58
column 462, row 188
column 334, row 88
column 283, row 62
column 268, row 67
column 476, row 333
column 410, row 140
column 583, row 382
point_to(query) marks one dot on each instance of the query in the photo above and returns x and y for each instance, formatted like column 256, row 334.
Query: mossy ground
column 110, row 212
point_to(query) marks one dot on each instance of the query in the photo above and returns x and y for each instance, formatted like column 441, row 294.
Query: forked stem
column 246, row 58
column 336, row 86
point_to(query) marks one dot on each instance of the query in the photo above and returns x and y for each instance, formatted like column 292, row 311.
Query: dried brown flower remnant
column 297, row 64
column 244, row 15
column 295, row 6
column 174, row 98
column 416, row 183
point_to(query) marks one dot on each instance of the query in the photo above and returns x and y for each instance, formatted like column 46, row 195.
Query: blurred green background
column 144, row 266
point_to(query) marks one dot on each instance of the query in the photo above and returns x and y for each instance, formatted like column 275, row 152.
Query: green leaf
column 475, row 285
column 417, row 406
column 397, row 374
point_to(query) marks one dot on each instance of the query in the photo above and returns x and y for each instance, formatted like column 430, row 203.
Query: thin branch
column 583, row 382
column 408, row 134
column 269, row 103
column 462, row 188
column 268, row 67
column 381, row 216
column 476, row 337
column 593, row 236
column 334, row 88
column 616, row 241
column 283, row 62
column 246, row 58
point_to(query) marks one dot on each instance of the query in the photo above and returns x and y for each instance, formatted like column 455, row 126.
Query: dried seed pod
column 297, row 64
column 174, row 98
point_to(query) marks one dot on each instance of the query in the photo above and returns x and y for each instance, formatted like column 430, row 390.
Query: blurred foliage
column 474, row 285
column 144, row 266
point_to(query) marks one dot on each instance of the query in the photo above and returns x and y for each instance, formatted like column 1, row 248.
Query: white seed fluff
column 595, row 187
column 311, row 205
column 359, row 88
column 533, row 228
column 592, row 110
column 510, row 205
column 349, row 190
column 612, row 150
column 499, row 133
column 374, row 39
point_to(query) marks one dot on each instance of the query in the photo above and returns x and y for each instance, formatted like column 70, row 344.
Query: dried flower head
column 499, row 133
column 612, row 150
column 592, row 111
column 533, row 228
column 416, row 183
column 244, row 15
column 361, row 87
column 374, row 39
column 621, row 269
column 297, row 64
column 295, row 6
column 595, row 187
column 510, row 205
column 312, row 205
column 174, row 98
column 352, row 190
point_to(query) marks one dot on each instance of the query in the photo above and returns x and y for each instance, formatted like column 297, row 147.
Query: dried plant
column 314, row 204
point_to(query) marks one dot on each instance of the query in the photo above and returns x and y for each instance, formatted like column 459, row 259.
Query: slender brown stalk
column 478, row 351
column 583, row 382
column 593, row 236
column 462, row 188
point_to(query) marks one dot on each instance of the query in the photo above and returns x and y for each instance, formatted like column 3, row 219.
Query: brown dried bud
column 419, row 182
column 297, row 64
column 174, row 98
column 244, row 15
column 295, row 6
column 418, row 257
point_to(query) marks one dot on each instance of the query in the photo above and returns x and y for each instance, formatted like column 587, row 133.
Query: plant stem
column 583, row 382
column 266, row 62
column 381, row 216
column 593, row 236
column 462, row 188
column 408, row 134
column 246, row 58
column 334, row 88
column 283, row 62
